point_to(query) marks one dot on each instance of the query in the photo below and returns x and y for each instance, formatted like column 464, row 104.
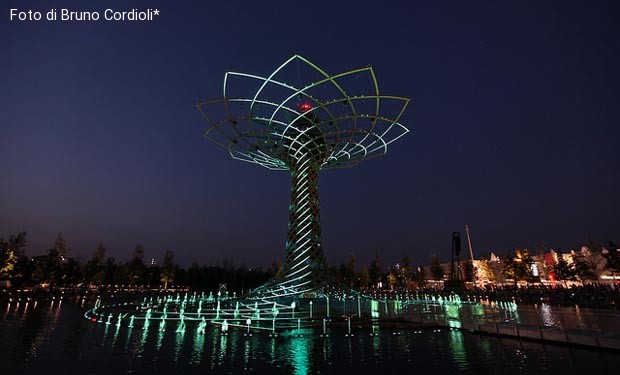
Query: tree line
column 57, row 268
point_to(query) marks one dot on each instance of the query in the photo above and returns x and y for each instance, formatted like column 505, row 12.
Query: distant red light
column 304, row 107
column 93, row 319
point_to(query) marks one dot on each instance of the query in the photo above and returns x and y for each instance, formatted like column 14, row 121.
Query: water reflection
column 272, row 349
column 145, row 333
column 25, row 312
column 48, row 333
column 349, row 350
column 43, row 328
column 246, row 354
column 327, row 351
column 160, row 338
column 579, row 317
column 118, row 328
column 136, row 344
column 485, row 350
column 376, row 341
column 105, row 334
column 547, row 315
column 457, row 346
column 521, row 359
column 214, row 351
column 199, row 340
column 223, row 344
column 233, row 345
column 6, row 312
column 128, row 337
column 300, row 349
column 178, row 344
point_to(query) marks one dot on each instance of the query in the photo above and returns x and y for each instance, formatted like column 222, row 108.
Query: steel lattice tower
column 323, row 122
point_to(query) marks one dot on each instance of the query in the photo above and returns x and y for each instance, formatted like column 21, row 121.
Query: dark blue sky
column 514, row 125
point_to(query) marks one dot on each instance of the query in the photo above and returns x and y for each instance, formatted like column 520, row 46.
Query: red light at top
column 304, row 107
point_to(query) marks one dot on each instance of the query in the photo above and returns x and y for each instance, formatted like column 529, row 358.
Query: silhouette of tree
column 563, row 271
column 10, row 253
column 611, row 253
column 421, row 276
column 363, row 277
column 484, row 271
column 583, row 269
column 48, row 268
column 518, row 267
column 405, row 273
column 274, row 269
column 94, row 269
column 392, row 278
column 136, row 268
column 167, row 269
column 374, row 271
column 61, row 246
column 436, row 268
column 350, row 274
column 109, row 267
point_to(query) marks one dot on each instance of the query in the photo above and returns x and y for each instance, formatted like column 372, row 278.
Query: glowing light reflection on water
column 199, row 341
column 46, row 329
column 299, row 350
column 547, row 316
column 459, row 353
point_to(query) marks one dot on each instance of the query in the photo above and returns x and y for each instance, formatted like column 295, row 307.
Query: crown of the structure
column 355, row 121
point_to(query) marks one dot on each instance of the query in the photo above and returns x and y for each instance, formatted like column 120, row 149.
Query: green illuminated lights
column 322, row 122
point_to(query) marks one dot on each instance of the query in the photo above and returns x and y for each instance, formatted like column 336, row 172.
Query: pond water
column 47, row 336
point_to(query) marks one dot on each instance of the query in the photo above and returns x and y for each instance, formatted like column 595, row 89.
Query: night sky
column 514, row 127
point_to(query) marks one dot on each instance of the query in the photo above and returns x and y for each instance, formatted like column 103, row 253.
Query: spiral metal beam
column 304, row 128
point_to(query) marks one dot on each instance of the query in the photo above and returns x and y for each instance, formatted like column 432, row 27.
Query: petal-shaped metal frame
column 254, row 138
